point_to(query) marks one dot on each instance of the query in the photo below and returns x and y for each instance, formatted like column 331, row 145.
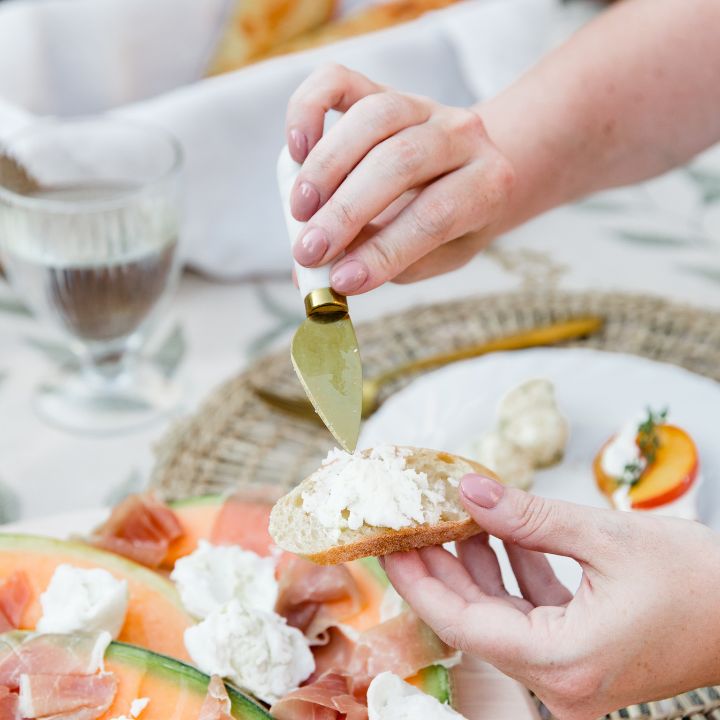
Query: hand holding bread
column 587, row 654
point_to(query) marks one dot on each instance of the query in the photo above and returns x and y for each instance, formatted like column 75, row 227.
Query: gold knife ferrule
column 325, row 301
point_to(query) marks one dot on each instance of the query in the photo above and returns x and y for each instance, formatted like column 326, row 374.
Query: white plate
column 597, row 391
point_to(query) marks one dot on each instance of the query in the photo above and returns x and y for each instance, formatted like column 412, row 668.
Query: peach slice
column 673, row 472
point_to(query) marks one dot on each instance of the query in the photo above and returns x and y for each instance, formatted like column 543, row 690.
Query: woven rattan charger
column 237, row 440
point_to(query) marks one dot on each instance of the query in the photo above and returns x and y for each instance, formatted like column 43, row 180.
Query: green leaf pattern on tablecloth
column 9, row 504
column 659, row 239
column 167, row 357
column 131, row 484
column 705, row 183
column 171, row 352
column 709, row 183
column 602, row 204
column 283, row 321
column 709, row 273
column 55, row 351
column 12, row 305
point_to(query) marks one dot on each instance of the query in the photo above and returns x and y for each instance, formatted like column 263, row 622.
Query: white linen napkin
column 145, row 61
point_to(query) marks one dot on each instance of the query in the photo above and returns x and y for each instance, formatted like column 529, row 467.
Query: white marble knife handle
column 309, row 279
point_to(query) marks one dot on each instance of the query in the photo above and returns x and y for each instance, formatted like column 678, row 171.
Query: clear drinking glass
column 92, row 248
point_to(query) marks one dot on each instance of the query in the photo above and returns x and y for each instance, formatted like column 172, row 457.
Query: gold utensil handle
column 536, row 337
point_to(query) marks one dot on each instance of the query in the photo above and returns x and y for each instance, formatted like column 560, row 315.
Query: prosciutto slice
column 49, row 654
column 345, row 668
column 66, row 696
column 15, row 596
column 8, row 705
column 336, row 654
column 328, row 698
column 314, row 597
column 216, row 705
column 403, row 646
column 79, row 714
column 245, row 523
column 140, row 528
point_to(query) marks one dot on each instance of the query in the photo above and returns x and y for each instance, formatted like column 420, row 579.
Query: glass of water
column 90, row 244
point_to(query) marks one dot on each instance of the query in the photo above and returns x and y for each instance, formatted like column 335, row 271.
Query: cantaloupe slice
column 155, row 619
column 175, row 690
column 436, row 681
column 197, row 517
column 220, row 519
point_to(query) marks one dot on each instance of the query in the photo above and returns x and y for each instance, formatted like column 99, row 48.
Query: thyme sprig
column 648, row 442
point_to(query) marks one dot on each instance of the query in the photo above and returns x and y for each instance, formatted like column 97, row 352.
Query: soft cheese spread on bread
column 375, row 502
column 376, row 489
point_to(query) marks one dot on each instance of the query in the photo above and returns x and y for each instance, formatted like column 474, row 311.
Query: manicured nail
column 311, row 246
column 349, row 276
column 481, row 490
column 298, row 144
column 305, row 201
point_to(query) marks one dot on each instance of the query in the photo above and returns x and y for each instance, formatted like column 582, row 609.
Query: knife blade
column 324, row 350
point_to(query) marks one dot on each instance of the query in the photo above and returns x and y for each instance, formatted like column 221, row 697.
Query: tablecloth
column 660, row 237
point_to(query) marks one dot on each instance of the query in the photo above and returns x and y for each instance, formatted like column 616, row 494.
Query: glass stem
column 107, row 366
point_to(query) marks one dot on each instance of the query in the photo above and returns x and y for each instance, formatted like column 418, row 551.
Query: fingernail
column 481, row 490
column 298, row 144
column 311, row 246
column 349, row 276
column 305, row 201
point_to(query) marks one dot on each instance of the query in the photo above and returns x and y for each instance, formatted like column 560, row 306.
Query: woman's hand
column 643, row 625
column 405, row 187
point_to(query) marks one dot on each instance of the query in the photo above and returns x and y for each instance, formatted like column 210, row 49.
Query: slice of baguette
column 295, row 530
column 370, row 19
column 255, row 27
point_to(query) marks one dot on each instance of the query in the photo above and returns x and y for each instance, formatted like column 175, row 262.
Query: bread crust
column 390, row 541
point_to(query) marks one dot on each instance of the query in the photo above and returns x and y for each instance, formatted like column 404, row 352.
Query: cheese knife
column 324, row 350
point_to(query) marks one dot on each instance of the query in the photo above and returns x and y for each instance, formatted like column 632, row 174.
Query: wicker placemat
column 235, row 439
